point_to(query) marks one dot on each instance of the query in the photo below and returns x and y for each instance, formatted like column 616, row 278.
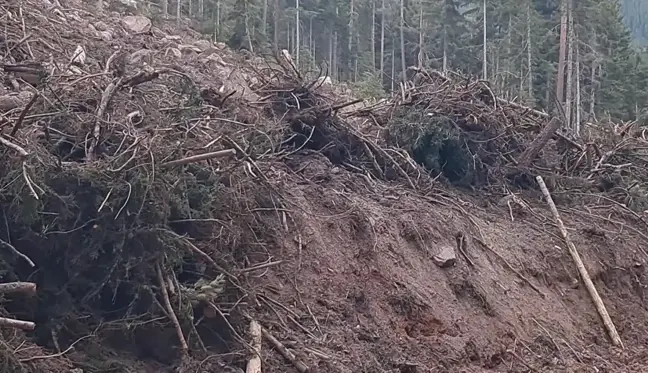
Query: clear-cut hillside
column 163, row 193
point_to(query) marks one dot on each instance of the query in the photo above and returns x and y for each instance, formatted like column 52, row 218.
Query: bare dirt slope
column 365, row 270
column 163, row 192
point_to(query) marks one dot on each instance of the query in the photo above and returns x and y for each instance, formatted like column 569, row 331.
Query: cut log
column 28, row 288
column 18, row 324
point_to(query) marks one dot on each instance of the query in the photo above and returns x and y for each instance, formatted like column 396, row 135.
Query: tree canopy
column 604, row 76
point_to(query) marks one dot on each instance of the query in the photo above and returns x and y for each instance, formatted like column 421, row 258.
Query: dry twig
column 15, row 251
column 509, row 266
column 184, row 348
column 13, row 146
column 301, row 367
column 199, row 157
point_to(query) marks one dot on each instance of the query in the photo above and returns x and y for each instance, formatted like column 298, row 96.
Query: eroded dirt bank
column 366, row 271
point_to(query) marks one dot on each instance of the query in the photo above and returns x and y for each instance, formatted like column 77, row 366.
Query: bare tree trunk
column 421, row 37
column 217, row 24
column 373, row 36
column 330, row 54
column 264, row 18
column 521, row 91
column 484, row 63
column 190, row 10
column 509, row 55
column 393, row 65
column 350, row 46
column 165, row 7
column 592, row 97
column 311, row 43
column 178, row 7
column 356, row 61
column 382, row 41
column 445, row 49
column 275, row 16
column 560, row 79
column 201, row 10
column 246, row 20
column 297, row 35
column 495, row 68
column 529, row 60
column 402, row 39
column 538, row 143
column 593, row 83
column 570, row 68
column 577, row 124
column 335, row 46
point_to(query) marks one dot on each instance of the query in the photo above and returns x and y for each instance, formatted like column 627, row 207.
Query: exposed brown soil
column 328, row 205
column 366, row 273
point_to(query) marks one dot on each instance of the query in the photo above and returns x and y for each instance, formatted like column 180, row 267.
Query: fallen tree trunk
column 28, row 288
column 18, row 324
column 538, row 143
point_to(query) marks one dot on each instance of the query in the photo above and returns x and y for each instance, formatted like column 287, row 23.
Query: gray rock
column 136, row 24
column 203, row 45
column 101, row 26
column 105, row 35
column 446, row 257
column 175, row 52
column 139, row 56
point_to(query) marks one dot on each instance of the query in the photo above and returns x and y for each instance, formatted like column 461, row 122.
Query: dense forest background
column 635, row 14
column 578, row 57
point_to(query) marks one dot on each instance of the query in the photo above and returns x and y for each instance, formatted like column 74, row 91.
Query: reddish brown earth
column 367, row 295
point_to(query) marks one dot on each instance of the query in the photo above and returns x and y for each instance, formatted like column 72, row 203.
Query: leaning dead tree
column 539, row 142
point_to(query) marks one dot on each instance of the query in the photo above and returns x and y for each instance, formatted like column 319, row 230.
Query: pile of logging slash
column 132, row 192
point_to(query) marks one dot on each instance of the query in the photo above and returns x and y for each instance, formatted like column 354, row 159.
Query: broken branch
column 184, row 348
column 199, row 157
column 300, row 365
column 13, row 146
column 254, row 365
column 15, row 251
column 96, row 132
column 600, row 307
column 509, row 266
column 538, row 143
column 23, row 113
